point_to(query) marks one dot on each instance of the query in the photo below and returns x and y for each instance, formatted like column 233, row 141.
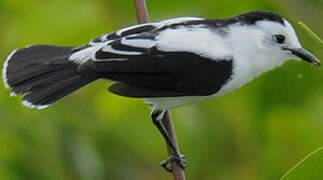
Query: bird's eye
column 279, row 38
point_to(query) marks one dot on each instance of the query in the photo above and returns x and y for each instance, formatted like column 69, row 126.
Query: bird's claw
column 178, row 158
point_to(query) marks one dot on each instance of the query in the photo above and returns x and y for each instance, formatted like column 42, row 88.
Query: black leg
column 157, row 117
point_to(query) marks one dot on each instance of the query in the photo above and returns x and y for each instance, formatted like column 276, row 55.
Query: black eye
column 279, row 38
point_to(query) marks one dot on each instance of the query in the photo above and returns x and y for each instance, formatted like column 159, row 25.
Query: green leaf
column 311, row 33
column 311, row 167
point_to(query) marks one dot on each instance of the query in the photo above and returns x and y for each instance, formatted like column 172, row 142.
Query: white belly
column 165, row 103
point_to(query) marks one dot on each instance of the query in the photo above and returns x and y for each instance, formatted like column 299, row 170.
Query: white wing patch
column 101, row 39
column 158, row 24
column 87, row 54
column 179, row 20
column 195, row 39
column 121, row 31
column 109, row 49
column 141, row 43
column 84, row 55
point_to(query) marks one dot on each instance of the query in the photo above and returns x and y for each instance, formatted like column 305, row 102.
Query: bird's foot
column 175, row 157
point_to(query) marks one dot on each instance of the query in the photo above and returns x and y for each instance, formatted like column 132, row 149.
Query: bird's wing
column 145, row 31
column 182, row 60
column 141, row 28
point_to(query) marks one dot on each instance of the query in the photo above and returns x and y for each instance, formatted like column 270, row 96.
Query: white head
column 266, row 40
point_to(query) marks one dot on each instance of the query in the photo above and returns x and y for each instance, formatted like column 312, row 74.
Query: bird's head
column 269, row 38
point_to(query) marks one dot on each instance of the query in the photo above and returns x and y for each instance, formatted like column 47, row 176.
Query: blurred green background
column 256, row 132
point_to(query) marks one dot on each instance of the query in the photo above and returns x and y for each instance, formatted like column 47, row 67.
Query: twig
column 142, row 12
column 178, row 172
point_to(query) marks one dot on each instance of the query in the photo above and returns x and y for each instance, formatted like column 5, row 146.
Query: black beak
column 305, row 55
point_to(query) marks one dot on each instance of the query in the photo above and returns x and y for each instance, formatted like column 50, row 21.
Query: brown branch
column 142, row 12
column 178, row 172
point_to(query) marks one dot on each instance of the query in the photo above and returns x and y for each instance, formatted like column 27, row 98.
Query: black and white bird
column 168, row 63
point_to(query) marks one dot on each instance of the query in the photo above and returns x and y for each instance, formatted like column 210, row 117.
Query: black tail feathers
column 43, row 74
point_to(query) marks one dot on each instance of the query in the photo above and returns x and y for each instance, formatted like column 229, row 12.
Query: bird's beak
column 305, row 55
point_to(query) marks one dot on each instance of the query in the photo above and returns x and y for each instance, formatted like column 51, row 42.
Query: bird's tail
column 43, row 74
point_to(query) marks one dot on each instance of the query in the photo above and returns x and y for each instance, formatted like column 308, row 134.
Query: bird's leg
column 157, row 117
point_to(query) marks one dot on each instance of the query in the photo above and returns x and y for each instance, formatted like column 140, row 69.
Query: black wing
column 161, row 74
column 137, row 29
column 146, row 28
column 143, row 69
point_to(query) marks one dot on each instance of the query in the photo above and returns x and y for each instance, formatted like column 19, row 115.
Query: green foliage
column 257, row 132
column 314, row 36
column 311, row 167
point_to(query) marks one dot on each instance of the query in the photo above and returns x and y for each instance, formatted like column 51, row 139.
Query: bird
column 169, row 63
